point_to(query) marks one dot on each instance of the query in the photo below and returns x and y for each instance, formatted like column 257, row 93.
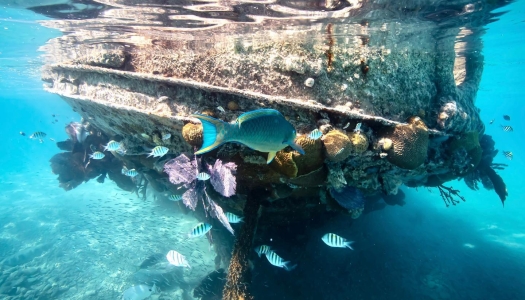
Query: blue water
column 423, row 250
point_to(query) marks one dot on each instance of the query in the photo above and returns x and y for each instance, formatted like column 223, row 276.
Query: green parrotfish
column 264, row 130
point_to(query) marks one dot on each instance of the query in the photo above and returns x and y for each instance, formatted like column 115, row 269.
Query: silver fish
column 39, row 135
column 264, row 130
column 112, row 146
column 175, row 198
column 97, row 155
column 158, row 151
column 233, row 218
column 177, row 259
column 333, row 240
column 278, row 261
column 199, row 230
column 203, row 176
column 315, row 134
column 166, row 136
column 221, row 109
column 262, row 249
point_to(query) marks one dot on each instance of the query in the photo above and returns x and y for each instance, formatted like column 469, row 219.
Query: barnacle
column 359, row 142
column 337, row 145
column 192, row 134
column 409, row 144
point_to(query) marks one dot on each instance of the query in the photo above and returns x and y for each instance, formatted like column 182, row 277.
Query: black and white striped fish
column 199, row 230
column 39, row 135
column 203, row 176
column 233, row 218
column 130, row 173
column 507, row 128
column 177, row 259
column 262, row 249
column 315, row 134
column 97, row 155
column 278, row 261
column 508, row 154
column 112, row 146
column 333, row 240
column 158, row 151
column 175, row 198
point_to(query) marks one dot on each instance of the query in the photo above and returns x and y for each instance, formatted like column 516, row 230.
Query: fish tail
column 213, row 133
column 288, row 268
column 349, row 245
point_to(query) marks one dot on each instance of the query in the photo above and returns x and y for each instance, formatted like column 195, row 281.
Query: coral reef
column 359, row 142
column 468, row 142
column 409, row 144
column 337, row 145
column 293, row 164
column 192, row 134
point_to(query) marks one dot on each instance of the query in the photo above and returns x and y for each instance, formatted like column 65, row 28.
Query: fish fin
column 349, row 245
column 257, row 113
column 287, row 268
column 212, row 133
column 295, row 147
column 271, row 156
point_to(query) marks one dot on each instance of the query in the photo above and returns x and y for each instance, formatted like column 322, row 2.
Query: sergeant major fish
column 264, row 130
column 333, row 240
column 158, row 151
column 262, row 249
column 175, row 198
column 199, row 230
column 233, row 218
column 177, row 259
column 278, row 261
column 39, row 135
column 507, row 128
column 508, row 154
column 130, row 173
column 97, row 155
column 112, row 146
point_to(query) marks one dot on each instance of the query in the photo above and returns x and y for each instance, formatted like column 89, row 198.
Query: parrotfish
column 264, row 130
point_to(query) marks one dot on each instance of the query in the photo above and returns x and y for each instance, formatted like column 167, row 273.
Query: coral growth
column 293, row 164
column 337, row 145
column 468, row 142
column 192, row 134
column 409, row 144
column 359, row 142
column 284, row 164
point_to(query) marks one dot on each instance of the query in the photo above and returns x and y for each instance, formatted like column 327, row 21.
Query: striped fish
column 333, row 240
column 203, row 176
column 112, row 146
column 177, row 259
column 262, row 249
column 507, row 128
column 278, row 261
column 199, row 230
column 233, row 218
column 315, row 134
column 175, row 198
column 97, row 155
column 158, row 151
column 39, row 135
column 130, row 173
column 508, row 154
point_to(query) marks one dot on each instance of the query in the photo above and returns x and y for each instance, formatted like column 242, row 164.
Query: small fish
column 22, row 133
column 112, row 146
column 233, row 218
column 333, row 240
column 506, row 117
column 491, row 121
column 38, row 135
column 175, row 198
column 130, row 173
column 97, row 155
column 357, row 127
column 507, row 128
column 177, row 259
column 166, row 136
column 264, row 130
column 139, row 292
column 52, row 139
column 346, row 126
column 315, row 134
column 203, row 176
column 221, row 109
column 158, row 151
column 277, row 261
column 199, row 230
column 508, row 154
column 262, row 249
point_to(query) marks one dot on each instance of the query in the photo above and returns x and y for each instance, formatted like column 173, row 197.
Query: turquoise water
column 83, row 244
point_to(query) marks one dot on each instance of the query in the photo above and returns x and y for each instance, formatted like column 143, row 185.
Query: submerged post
column 239, row 273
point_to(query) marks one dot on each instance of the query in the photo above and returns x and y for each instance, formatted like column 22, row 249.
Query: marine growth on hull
column 250, row 134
